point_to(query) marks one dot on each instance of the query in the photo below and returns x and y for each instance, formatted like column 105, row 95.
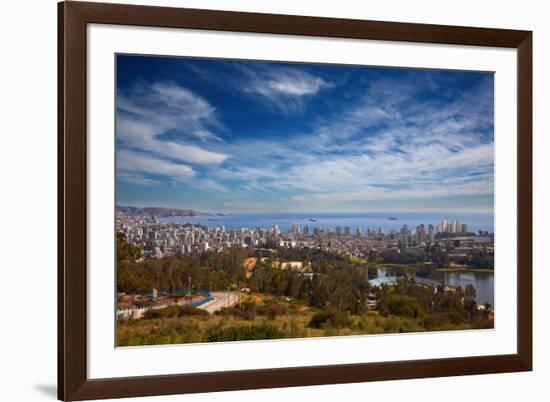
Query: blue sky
column 250, row 136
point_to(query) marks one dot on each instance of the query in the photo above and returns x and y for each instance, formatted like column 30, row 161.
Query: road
column 221, row 299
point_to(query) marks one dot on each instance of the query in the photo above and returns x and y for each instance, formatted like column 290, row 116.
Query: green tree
column 403, row 305
column 470, row 292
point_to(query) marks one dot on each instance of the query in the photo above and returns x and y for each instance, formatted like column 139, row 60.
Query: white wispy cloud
column 135, row 178
column 146, row 113
column 285, row 88
column 139, row 162
column 386, row 146
column 382, row 142
column 137, row 167
column 144, row 136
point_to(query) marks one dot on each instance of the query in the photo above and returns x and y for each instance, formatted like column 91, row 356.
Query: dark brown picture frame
column 73, row 383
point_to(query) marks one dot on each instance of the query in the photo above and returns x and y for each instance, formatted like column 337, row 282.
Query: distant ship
column 313, row 220
column 392, row 218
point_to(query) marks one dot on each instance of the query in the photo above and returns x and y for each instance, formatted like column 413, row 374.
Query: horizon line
column 487, row 211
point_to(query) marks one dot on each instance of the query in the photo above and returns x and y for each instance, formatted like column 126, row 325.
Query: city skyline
column 242, row 136
column 159, row 238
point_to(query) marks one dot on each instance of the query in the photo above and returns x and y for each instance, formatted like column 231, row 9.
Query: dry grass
column 294, row 324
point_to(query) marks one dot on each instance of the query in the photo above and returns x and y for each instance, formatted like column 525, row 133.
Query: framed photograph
column 253, row 201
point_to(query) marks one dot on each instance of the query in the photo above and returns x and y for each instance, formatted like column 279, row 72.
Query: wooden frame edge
column 525, row 198
column 291, row 377
column 71, row 201
column 60, row 204
column 72, row 380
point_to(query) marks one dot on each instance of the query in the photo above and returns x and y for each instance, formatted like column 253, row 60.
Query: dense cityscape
column 159, row 239
column 183, row 282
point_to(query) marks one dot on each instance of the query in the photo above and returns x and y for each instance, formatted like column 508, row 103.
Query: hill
column 158, row 211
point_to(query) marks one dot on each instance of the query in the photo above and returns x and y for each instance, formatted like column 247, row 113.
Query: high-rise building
column 358, row 232
column 420, row 233
column 405, row 239
column 454, row 226
column 346, row 230
column 338, row 231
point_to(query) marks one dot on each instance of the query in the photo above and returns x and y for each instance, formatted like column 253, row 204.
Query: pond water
column 483, row 282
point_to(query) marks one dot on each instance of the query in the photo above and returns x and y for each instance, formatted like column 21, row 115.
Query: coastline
column 363, row 220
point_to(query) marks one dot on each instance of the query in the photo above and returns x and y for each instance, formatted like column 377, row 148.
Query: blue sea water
column 374, row 220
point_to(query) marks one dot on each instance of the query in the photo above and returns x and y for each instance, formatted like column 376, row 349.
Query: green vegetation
column 272, row 319
column 174, row 311
column 464, row 269
column 404, row 305
column 246, row 332
column 404, row 267
column 336, row 280
column 436, row 254
column 418, row 267
column 272, row 310
column 431, row 310
column 330, row 299
column 208, row 270
column 331, row 317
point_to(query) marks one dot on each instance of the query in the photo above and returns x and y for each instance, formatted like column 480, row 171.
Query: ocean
column 374, row 220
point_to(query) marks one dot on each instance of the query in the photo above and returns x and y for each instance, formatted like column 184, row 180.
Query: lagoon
column 483, row 282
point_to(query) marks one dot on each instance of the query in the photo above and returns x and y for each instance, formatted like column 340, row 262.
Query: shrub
column 224, row 312
column 443, row 320
column 455, row 317
column 433, row 321
column 166, row 312
column 403, row 305
column 245, row 333
column 483, row 323
column 189, row 310
column 389, row 324
column 174, row 311
column 245, row 310
column 330, row 316
column 368, row 326
column 331, row 331
column 319, row 319
column 272, row 310
column 293, row 329
column 165, row 332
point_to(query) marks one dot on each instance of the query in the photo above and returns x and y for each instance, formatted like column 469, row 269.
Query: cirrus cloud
column 145, row 114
